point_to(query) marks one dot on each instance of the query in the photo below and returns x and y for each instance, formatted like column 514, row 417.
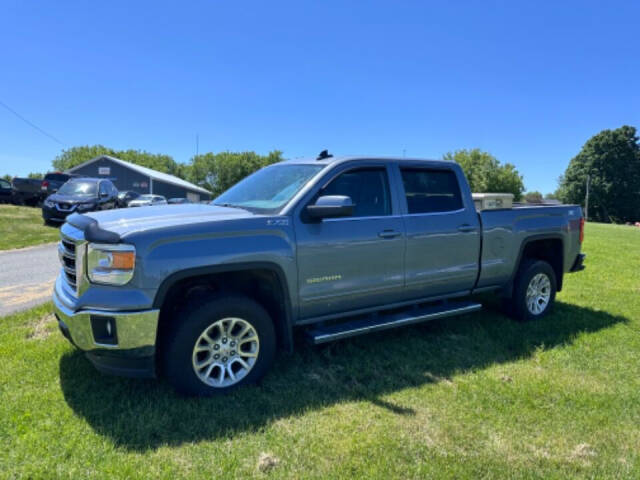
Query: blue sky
column 529, row 82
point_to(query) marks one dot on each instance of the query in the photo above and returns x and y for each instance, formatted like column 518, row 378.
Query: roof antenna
column 324, row 154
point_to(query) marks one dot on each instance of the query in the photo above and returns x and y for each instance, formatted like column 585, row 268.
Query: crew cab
column 205, row 295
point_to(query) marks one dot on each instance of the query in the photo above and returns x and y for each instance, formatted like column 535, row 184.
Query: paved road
column 27, row 276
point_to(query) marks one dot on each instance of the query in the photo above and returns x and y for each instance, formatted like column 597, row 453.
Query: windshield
column 145, row 197
column 268, row 189
column 83, row 189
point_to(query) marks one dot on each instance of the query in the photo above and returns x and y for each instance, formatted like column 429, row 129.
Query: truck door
column 443, row 234
column 357, row 261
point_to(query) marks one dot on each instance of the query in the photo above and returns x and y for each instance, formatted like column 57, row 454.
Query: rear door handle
column 467, row 228
column 389, row 234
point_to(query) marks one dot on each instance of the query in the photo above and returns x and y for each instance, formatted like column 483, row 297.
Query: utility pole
column 586, row 201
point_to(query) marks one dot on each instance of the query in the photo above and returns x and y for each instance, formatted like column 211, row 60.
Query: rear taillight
column 45, row 184
column 581, row 229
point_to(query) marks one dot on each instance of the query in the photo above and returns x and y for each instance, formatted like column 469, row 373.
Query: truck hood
column 128, row 220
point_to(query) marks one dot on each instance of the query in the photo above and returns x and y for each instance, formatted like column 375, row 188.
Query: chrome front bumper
column 136, row 331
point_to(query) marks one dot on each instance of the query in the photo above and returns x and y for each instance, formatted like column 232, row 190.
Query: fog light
column 104, row 330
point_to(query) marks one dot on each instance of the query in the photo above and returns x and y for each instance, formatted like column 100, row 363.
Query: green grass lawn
column 478, row 396
column 23, row 227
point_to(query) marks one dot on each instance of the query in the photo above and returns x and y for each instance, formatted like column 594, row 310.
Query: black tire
column 529, row 269
column 188, row 325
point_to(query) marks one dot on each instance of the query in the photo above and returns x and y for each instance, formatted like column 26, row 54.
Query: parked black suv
column 79, row 195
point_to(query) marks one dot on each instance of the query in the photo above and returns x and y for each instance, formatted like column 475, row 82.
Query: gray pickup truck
column 205, row 295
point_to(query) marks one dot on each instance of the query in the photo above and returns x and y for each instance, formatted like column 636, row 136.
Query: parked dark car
column 6, row 191
column 124, row 197
column 178, row 201
column 53, row 181
column 27, row 191
column 79, row 195
column 148, row 200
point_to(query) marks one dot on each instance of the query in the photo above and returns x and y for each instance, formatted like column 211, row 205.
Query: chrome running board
column 381, row 321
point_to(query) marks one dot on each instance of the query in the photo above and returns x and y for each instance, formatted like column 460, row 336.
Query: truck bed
column 506, row 231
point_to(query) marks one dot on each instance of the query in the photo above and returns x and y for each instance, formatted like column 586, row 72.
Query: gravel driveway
column 27, row 276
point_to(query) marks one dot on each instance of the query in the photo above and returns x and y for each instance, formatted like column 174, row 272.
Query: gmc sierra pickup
column 205, row 294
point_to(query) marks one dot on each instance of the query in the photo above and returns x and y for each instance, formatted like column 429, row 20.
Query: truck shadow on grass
column 145, row 414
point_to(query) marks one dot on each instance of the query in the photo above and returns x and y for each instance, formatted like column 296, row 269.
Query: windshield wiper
column 229, row 205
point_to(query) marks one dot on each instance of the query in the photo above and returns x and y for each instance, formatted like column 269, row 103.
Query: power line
column 31, row 124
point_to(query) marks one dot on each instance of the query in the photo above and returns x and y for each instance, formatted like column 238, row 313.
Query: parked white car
column 147, row 200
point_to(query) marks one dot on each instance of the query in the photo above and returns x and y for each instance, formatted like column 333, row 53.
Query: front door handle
column 389, row 234
column 467, row 228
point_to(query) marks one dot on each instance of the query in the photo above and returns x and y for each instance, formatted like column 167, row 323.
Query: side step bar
column 379, row 322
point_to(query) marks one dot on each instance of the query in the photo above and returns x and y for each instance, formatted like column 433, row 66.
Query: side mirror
column 331, row 206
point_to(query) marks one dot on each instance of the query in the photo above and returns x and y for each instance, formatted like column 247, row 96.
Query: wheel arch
column 549, row 248
column 265, row 282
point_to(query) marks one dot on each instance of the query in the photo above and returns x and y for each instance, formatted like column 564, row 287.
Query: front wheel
column 534, row 291
column 218, row 345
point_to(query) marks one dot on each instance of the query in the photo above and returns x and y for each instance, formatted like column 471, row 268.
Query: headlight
column 110, row 264
column 82, row 207
column 49, row 203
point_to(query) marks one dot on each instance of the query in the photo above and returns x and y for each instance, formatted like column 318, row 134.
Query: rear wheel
column 534, row 291
column 218, row 345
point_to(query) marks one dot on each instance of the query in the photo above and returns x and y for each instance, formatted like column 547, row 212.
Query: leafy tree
column 533, row 197
column 7, row 177
column 552, row 196
column 76, row 155
column 213, row 171
column 219, row 171
column 36, row 175
column 612, row 160
column 485, row 173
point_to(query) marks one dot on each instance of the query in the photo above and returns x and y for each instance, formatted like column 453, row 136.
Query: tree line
column 610, row 160
column 219, row 171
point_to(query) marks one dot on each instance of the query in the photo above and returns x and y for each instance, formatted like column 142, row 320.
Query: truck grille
column 70, row 254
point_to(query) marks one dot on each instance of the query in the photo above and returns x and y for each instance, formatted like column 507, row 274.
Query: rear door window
column 431, row 190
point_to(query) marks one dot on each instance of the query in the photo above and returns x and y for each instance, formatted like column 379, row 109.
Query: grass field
column 23, row 227
column 478, row 396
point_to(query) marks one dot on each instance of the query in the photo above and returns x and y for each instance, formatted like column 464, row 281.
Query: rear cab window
column 57, row 177
column 431, row 190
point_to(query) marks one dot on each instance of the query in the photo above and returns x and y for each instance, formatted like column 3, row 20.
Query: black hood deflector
column 91, row 229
